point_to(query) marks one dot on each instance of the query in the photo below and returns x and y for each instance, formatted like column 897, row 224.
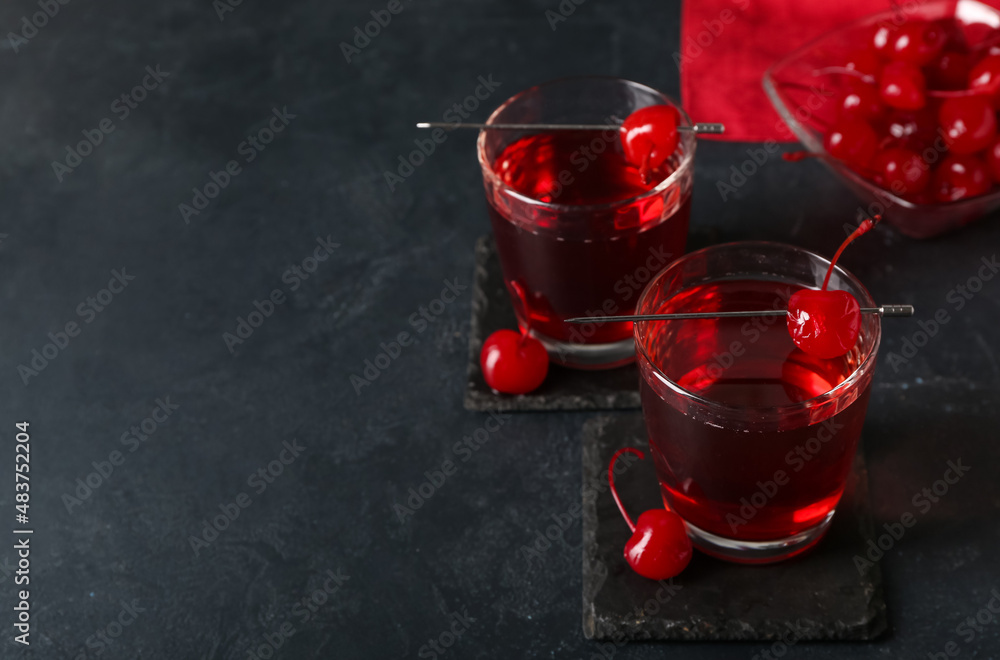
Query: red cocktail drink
column 752, row 438
column 578, row 231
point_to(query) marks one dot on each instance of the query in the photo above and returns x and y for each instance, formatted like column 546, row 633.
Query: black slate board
column 563, row 389
column 818, row 596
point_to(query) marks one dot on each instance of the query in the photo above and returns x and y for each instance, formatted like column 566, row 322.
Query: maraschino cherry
column 826, row 323
column 902, row 85
column 984, row 77
column 902, row 171
column 852, row 141
column 865, row 61
column 512, row 362
column 969, row 123
column 914, row 130
column 959, row 177
column 859, row 100
column 948, row 71
column 993, row 159
column 916, row 42
column 659, row 548
column 649, row 137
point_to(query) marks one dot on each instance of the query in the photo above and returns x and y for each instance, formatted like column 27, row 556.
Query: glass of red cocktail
column 578, row 230
column 752, row 438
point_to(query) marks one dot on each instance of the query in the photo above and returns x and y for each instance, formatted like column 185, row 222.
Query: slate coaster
column 563, row 389
column 817, row 596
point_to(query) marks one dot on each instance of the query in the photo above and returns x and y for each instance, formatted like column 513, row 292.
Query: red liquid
column 595, row 267
column 742, row 483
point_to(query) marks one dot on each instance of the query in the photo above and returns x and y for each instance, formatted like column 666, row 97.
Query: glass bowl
column 802, row 97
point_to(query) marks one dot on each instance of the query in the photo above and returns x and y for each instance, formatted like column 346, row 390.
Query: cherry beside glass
column 752, row 438
column 578, row 232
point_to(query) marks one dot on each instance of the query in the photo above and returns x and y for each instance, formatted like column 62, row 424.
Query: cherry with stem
column 659, row 548
column 827, row 323
column 649, row 138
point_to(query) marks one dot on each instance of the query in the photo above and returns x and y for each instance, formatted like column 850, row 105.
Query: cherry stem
column 807, row 88
column 950, row 93
column 611, row 480
column 849, row 72
column 863, row 228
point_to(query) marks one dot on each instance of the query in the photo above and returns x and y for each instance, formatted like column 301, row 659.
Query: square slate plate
column 818, row 596
column 563, row 389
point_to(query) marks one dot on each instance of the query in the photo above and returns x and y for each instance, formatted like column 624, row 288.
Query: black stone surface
column 820, row 595
column 563, row 389
column 333, row 508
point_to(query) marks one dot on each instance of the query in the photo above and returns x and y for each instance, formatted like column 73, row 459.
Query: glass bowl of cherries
column 901, row 105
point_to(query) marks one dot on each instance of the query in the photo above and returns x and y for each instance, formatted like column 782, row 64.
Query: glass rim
column 487, row 167
column 831, row 394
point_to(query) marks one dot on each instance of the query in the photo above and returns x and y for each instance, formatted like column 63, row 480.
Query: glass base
column 588, row 356
column 757, row 552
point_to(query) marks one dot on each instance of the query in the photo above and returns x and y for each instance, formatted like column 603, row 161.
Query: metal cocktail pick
column 697, row 128
column 884, row 310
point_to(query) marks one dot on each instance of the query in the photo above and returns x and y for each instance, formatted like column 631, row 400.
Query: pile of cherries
column 917, row 111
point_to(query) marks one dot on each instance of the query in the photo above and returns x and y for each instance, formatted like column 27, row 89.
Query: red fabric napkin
column 726, row 45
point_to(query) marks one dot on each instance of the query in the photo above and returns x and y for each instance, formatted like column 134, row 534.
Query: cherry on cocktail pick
column 514, row 363
column 649, row 137
column 827, row 323
column 659, row 548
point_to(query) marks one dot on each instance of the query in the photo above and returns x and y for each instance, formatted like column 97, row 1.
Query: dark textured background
column 333, row 507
